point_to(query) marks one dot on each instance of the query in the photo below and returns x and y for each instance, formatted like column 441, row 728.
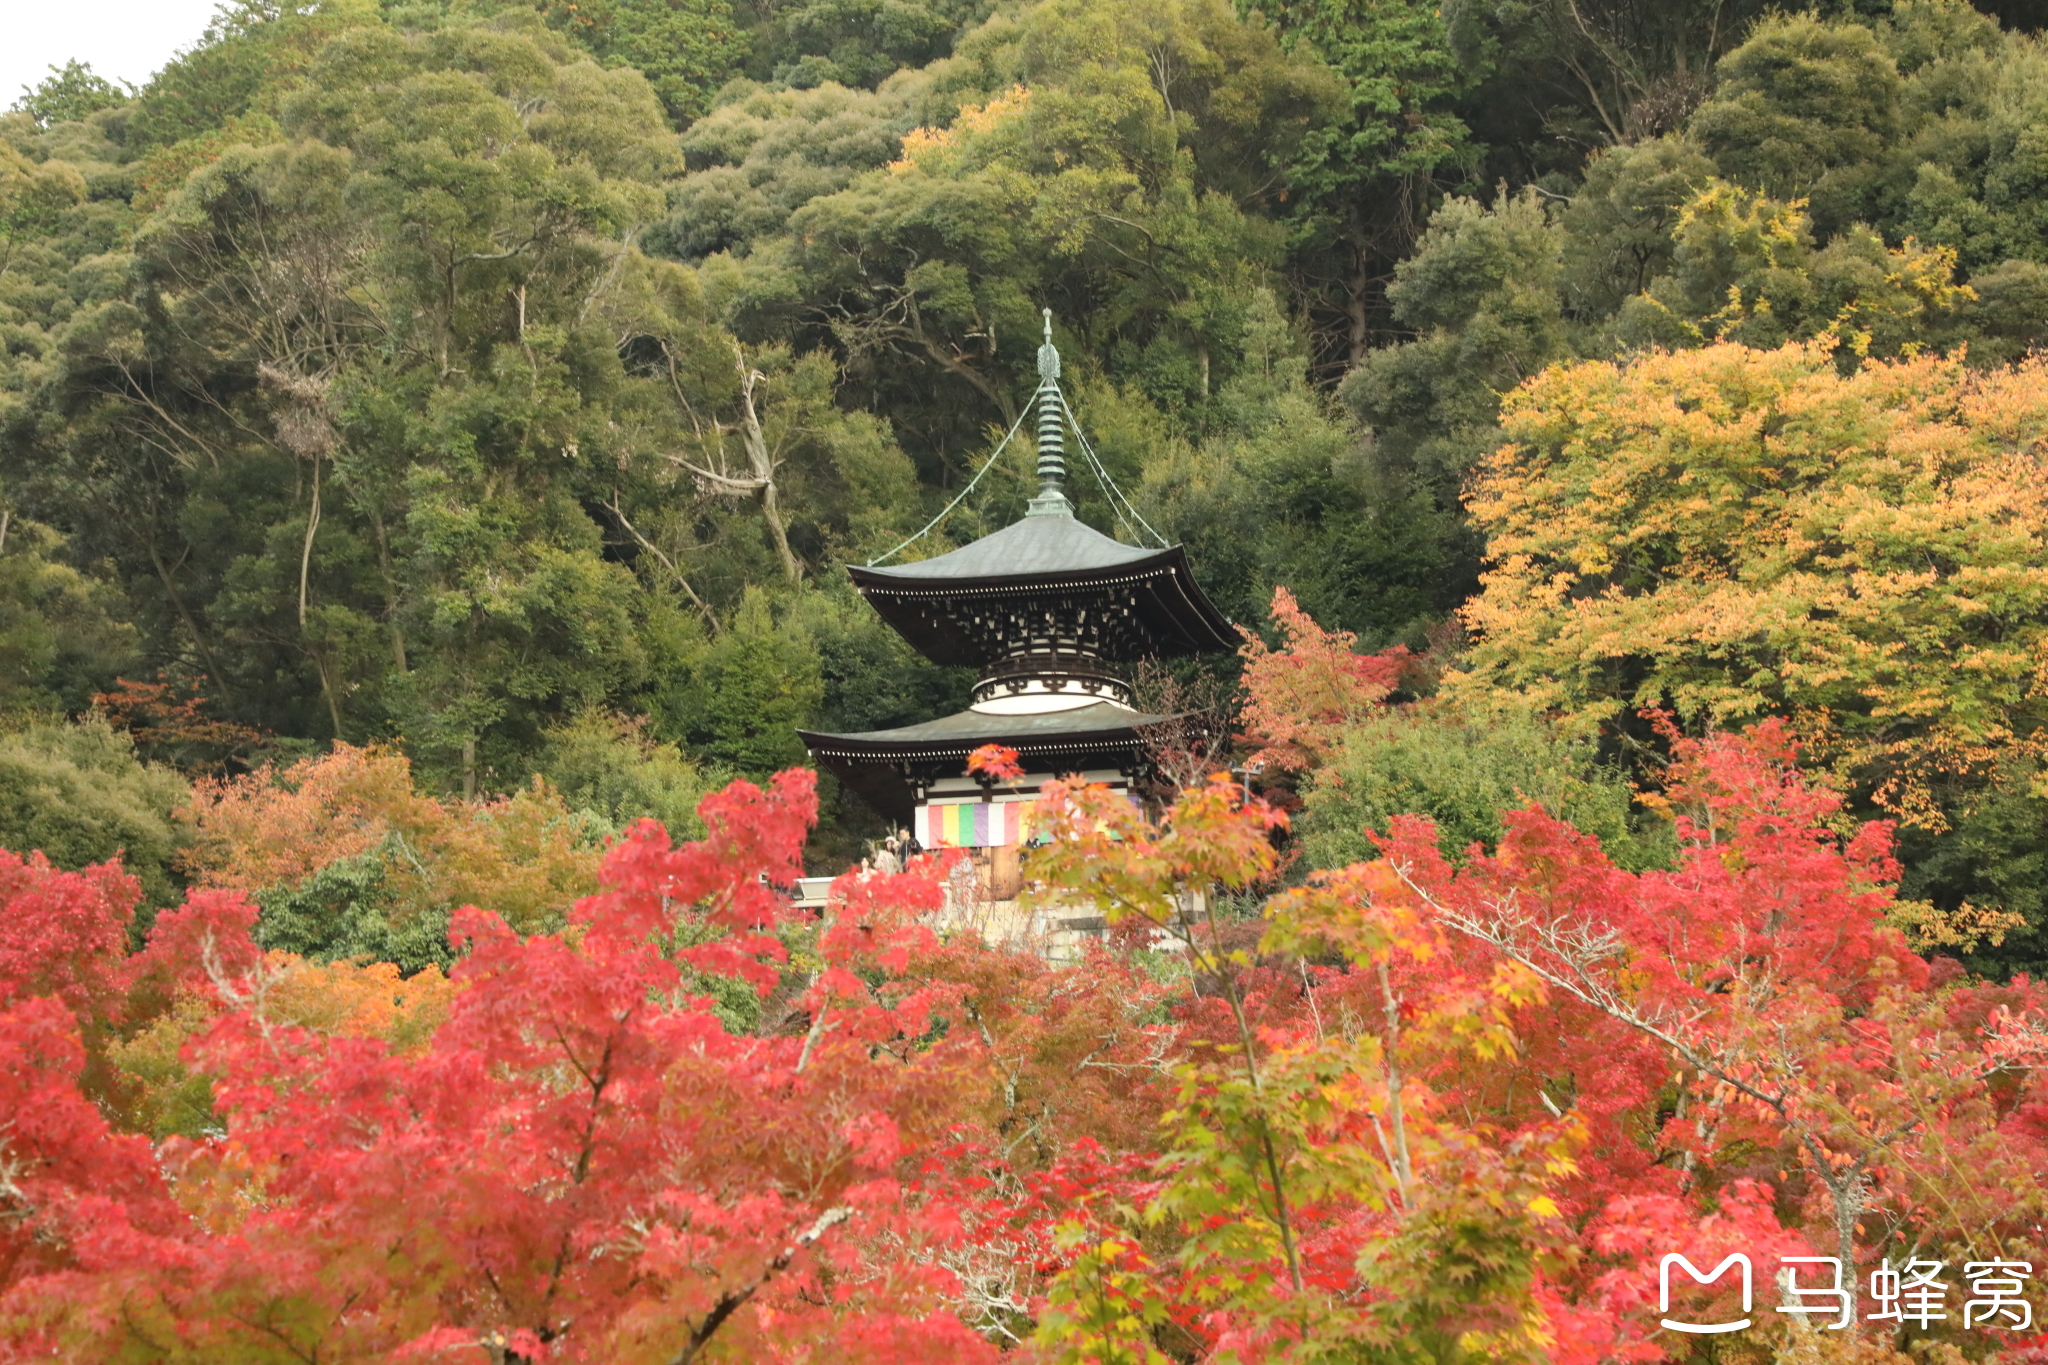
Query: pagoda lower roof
column 889, row 768
column 961, row 733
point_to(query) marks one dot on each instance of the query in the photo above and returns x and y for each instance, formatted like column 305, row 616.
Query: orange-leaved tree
column 355, row 815
column 1301, row 698
column 1414, row 1111
column 63, row 939
column 1745, row 1034
column 1314, row 1196
column 169, row 724
column 1463, row 1112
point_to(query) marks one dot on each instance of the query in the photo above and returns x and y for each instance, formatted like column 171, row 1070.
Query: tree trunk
column 184, row 614
column 306, row 551
column 1355, row 312
column 319, row 657
column 390, row 592
column 790, row 566
column 313, row 651
column 996, row 394
column 763, row 463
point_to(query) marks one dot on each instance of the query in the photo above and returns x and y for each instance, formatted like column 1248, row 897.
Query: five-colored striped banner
column 974, row 824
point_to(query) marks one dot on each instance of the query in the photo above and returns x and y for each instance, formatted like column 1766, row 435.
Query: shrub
column 78, row 793
column 1463, row 772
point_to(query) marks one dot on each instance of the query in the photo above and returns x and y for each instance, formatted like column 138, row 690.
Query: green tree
column 1744, row 269
column 1463, row 771
column 375, row 402
column 343, row 911
column 1841, row 176
column 250, row 55
column 760, row 154
column 869, row 677
column 1285, row 489
column 62, row 636
column 70, row 94
column 399, row 371
column 77, row 793
column 808, row 43
column 1084, row 171
column 747, row 689
column 606, row 766
column 1619, row 224
column 1807, row 108
column 685, row 48
column 1363, row 182
column 34, row 200
column 1483, row 293
column 1991, row 857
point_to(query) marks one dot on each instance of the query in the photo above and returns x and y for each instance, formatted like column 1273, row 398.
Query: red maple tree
column 1404, row 1110
column 1303, row 696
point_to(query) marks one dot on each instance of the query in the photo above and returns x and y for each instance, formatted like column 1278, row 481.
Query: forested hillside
column 505, row 384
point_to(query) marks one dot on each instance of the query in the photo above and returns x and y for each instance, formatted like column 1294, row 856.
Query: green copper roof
column 969, row 730
column 1034, row 545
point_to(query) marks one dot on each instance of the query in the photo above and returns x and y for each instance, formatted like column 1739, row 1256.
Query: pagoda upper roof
column 1043, row 577
column 1034, row 545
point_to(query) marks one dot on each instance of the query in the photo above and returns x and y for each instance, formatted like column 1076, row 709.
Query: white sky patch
column 123, row 40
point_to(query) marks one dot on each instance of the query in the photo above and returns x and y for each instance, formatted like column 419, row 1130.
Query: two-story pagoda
column 1051, row 614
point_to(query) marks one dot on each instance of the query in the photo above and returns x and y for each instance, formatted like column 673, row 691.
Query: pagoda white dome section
column 1036, row 703
column 1039, row 680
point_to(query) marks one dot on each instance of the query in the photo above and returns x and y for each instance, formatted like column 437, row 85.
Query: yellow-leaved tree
column 1733, row 533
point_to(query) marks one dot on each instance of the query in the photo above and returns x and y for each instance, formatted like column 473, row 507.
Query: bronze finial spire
column 1052, row 433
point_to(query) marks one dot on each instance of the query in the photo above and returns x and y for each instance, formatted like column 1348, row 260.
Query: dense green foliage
column 1877, row 179
column 463, row 374
column 78, row 793
column 344, row 911
column 70, row 94
column 608, row 771
column 61, row 636
column 1463, row 772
